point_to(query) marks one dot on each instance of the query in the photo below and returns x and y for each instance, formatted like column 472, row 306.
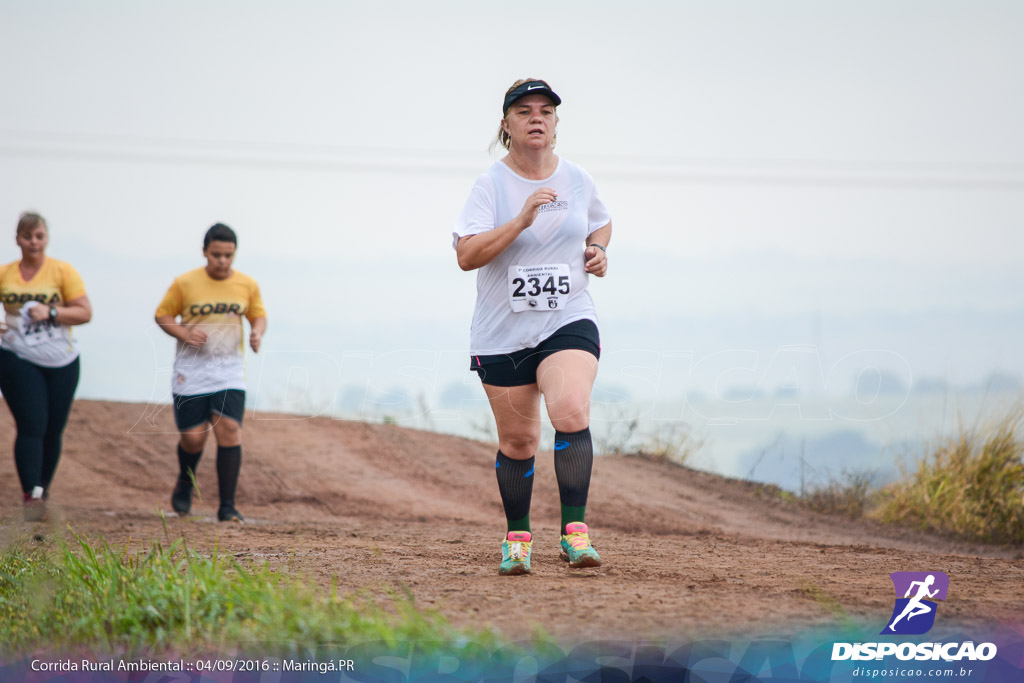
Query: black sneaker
column 228, row 513
column 181, row 499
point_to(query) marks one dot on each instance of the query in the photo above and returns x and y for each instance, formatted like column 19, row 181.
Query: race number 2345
column 539, row 288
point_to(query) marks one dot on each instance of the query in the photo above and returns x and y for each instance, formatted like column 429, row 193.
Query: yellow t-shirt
column 43, row 343
column 215, row 307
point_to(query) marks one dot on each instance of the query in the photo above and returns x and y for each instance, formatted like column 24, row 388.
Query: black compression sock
column 574, row 461
column 229, row 463
column 188, row 461
column 515, row 483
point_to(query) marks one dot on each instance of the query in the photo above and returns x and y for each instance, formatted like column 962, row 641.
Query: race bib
column 539, row 288
column 36, row 333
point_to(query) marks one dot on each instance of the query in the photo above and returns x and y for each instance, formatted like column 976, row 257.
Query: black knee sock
column 515, row 483
column 574, row 460
column 229, row 462
column 188, row 462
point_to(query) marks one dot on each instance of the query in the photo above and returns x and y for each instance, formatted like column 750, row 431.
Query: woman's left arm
column 78, row 311
column 597, row 258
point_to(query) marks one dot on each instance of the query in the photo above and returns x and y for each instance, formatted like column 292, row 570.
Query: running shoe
column 515, row 553
column 181, row 499
column 576, row 548
column 228, row 513
column 34, row 505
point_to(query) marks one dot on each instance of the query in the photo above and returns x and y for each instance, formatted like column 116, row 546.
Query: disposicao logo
column 916, row 593
column 912, row 615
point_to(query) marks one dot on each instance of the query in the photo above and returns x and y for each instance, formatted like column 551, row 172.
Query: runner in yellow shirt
column 42, row 298
column 203, row 310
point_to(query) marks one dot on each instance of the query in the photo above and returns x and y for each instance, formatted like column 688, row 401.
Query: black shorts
column 519, row 368
column 192, row 411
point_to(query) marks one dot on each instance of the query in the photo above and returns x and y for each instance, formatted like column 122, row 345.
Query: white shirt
column 43, row 343
column 557, row 236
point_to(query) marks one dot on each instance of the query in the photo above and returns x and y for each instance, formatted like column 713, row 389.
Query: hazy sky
column 848, row 175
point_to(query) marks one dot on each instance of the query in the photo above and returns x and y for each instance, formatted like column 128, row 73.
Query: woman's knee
column 31, row 420
column 571, row 412
column 574, row 422
column 519, row 446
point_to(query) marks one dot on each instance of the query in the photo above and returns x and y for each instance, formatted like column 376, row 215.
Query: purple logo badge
column 916, row 592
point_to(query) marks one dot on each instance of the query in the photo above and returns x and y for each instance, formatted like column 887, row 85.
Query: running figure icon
column 916, row 607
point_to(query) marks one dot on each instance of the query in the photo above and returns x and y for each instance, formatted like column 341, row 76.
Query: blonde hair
column 28, row 222
column 502, row 139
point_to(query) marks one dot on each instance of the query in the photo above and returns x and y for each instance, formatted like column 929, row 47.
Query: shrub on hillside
column 971, row 484
column 847, row 494
column 672, row 442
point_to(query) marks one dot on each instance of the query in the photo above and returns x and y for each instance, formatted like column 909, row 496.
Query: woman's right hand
column 476, row 251
column 540, row 197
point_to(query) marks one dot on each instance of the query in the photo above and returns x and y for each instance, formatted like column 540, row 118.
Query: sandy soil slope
column 380, row 507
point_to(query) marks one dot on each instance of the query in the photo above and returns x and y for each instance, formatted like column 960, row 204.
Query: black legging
column 40, row 400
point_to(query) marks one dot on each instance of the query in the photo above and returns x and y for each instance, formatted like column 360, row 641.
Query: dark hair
column 28, row 222
column 219, row 233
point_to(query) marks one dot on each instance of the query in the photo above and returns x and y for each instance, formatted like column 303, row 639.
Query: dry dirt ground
column 379, row 507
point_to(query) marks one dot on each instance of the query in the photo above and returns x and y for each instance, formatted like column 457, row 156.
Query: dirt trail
column 379, row 506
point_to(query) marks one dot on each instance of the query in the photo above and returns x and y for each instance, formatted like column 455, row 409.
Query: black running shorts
column 520, row 367
column 192, row 411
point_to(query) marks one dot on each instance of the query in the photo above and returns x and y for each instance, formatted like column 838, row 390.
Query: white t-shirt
column 557, row 240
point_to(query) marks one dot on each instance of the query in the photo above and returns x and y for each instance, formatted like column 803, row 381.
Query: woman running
column 208, row 381
column 39, row 367
column 534, row 228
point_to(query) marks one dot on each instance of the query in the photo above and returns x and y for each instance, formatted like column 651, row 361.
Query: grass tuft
column 848, row 494
column 172, row 599
column 672, row 442
column 971, row 484
column 829, row 604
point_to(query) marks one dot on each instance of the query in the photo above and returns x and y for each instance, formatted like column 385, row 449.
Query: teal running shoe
column 576, row 548
column 515, row 553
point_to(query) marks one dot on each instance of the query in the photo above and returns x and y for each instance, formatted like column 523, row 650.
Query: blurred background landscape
column 817, row 207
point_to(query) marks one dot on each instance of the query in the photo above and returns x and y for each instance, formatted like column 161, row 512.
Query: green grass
column 829, row 604
column 174, row 600
column 971, row 485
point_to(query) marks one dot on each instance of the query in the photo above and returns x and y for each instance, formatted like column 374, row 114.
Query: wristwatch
column 53, row 314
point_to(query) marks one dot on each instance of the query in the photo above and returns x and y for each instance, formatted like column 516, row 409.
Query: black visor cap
column 530, row 88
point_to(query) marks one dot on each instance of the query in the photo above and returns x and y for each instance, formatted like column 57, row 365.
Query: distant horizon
column 785, row 444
